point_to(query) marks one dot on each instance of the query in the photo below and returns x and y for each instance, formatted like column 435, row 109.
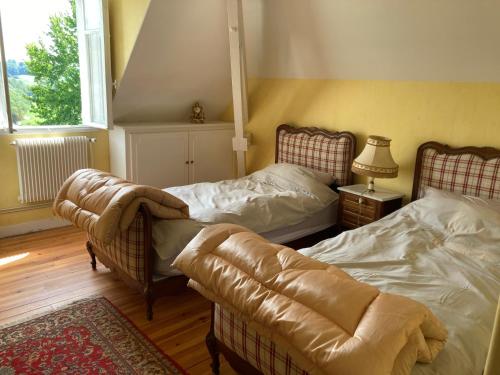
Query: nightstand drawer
column 351, row 220
column 355, row 199
column 360, row 209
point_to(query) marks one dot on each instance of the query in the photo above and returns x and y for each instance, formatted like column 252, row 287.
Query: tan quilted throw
column 103, row 204
column 328, row 321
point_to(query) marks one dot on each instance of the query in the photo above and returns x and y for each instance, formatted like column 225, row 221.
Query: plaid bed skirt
column 259, row 351
column 127, row 251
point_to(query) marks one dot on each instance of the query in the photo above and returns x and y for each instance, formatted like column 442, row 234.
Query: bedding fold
column 337, row 324
column 103, row 204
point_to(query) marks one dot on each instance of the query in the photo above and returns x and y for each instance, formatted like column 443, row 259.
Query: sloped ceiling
column 181, row 55
column 182, row 52
column 431, row 40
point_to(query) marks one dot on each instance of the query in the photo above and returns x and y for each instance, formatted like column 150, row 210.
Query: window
column 54, row 63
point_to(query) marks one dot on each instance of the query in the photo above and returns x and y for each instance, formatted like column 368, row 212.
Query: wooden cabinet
column 165, row 155
column 357, row 207
column 159, row 159
column 209, row 157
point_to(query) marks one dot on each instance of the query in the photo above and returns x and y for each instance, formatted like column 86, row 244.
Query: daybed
column 283, row 202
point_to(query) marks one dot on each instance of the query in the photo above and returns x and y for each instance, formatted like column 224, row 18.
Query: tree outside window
column 56, row 63
column 45, row 89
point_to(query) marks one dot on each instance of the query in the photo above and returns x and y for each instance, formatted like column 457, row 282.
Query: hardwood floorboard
column 56, row 272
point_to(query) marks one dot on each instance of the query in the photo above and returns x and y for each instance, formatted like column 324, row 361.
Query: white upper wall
column 182, row 51
column 432, row 40
column 181, row 55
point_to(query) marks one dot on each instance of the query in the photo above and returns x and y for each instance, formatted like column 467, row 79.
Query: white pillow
column 323, row 177
column 461, row 213
column 474, row 201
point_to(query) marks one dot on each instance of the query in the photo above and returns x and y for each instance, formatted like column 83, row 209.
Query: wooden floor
column 55, row 270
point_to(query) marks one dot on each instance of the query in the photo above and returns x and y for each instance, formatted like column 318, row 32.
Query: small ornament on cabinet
column 198, row 114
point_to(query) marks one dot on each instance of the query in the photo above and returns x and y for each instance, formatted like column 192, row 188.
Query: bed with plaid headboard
column 131, row 253
column 473, row 171
column 318, row 149
column 470, row 170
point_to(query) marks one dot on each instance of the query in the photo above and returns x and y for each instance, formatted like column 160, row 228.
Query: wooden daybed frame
column 132, row 256
column 216, row 347
column 150, row 288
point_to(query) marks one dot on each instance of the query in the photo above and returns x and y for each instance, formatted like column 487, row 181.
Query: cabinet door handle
column 192, row 161
column 187, row 162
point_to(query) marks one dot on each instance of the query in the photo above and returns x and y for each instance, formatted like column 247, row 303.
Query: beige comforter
column 329, row 322
column 103, row 204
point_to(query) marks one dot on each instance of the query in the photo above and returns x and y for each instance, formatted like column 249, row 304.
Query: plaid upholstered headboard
column 318, row 149
column 471, row 171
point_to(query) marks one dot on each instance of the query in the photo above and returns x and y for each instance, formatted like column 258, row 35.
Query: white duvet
column 442, row 250
column 278, row 196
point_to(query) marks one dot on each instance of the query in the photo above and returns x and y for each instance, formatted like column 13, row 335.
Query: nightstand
column 358, row 207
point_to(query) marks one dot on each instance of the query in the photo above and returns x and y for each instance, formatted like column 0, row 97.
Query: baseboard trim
column 32, row 226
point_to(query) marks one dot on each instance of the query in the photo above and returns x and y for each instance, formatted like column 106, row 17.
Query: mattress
column 324, row 219
column 441, row 251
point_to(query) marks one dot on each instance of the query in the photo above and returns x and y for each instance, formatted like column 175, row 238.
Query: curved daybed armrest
column 103, row 204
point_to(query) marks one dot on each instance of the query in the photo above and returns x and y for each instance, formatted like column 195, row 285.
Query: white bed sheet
column 275, row 197
column 268, row 201
column 442, row 252
column 324, row 219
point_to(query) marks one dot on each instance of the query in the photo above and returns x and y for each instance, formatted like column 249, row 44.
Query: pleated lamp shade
column 376, row 160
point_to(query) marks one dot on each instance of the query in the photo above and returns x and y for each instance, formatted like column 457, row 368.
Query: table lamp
column 375, row 161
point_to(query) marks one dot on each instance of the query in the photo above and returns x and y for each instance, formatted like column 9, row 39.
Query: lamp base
column 371, row 184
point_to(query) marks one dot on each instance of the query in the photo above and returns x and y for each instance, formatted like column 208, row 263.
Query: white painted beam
column 238, row 80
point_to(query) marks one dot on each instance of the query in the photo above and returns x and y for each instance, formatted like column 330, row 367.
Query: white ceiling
column 181, row 55
column 432, row 40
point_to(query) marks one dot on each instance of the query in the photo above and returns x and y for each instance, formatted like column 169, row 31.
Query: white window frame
column 88, row 123
column 6, row 115
column 103, row 34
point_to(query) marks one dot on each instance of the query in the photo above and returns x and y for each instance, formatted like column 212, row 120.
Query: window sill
column 50, row 129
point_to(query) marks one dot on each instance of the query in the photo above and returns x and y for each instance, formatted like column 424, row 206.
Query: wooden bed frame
column 314, row 131
column 152, row 288
column 216, row 347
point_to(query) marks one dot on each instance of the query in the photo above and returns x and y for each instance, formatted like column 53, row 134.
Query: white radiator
column 44, row 164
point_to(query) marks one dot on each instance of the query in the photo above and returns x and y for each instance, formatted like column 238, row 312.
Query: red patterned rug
column 87, row 337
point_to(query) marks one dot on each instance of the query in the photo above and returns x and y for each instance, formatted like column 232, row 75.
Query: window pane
column 41, row 51
column 92, row 14
column 96, row 74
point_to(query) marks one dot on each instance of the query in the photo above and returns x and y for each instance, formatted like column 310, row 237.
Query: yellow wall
column 410, row 113
column 9, row 176
column 125, row 20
